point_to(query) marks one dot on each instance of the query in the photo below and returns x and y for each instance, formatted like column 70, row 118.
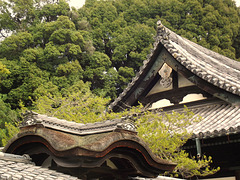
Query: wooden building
column 179, row 72
column 104, row 150
column 16, row 167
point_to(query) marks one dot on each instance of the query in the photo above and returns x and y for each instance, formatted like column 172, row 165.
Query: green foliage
column 130, row 44
column 165, row 134
column 15, row 43
column 190, row 167
column 3, row 70
column 8, row 132
column 104, row 42
column 158, row 129
column 80, row 105
column 48, row 53
column 125, row 75
column 21, row 83
column 7, row 118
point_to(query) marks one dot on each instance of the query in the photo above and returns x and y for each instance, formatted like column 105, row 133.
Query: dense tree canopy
column 46, row 45
column 48, row 50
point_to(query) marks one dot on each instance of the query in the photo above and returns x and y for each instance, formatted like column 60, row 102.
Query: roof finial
column 162, row 30
column 29, row 118
column 159, row 25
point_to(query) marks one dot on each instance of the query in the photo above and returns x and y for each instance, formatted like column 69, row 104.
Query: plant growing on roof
column 166, row 133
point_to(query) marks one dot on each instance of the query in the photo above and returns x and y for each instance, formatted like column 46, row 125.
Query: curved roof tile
column 87, row 146
column 32, row 118
column 21, row 167
column 217, row 119
column 214, row 68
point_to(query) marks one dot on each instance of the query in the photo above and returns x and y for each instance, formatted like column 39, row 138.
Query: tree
column 7, row 115
column 131, row 45
column 104, row 42
column 3, row 71
column 10, row 130
column 21, row 83
column 19, row 15
column 79, row 105
column 8, row 120
column 124, row 29
column 166, row 133
column 48, row 51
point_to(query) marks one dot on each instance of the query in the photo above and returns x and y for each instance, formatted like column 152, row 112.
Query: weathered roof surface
column 212, row 67
column 217, row 119
column 73, row 145
column 33, row 118
column 15, row 167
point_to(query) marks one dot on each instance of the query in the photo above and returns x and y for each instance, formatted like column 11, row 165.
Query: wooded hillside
column 49, row 50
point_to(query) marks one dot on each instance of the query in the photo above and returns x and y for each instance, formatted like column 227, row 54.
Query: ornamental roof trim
column 33, row 118
column 212, row 67
column 88, row 146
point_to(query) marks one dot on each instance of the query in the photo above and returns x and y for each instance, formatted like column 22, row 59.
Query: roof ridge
column 172, row 42
column 33, row 118
column 212, row 76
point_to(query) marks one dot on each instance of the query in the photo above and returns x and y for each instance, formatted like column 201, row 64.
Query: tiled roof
column 210, row 66
column 87, row 146
column 214, row 68
column 33, row 118
column 15, row 167
column 217, row 119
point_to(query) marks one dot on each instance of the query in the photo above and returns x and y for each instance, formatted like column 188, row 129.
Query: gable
column 172, row 85
column 206, row 72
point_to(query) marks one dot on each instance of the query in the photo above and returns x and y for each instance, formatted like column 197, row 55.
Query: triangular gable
column 194, row 69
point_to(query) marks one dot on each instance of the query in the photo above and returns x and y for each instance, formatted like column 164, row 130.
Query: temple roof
column 214, row 76
column 100, row 149
column 20, row 167
column 32, row 118
column 211, row 67
column 218, row 118
column 16, row 167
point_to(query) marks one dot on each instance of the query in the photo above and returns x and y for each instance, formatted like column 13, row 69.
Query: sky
column 238, row 2
column 79, row 3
